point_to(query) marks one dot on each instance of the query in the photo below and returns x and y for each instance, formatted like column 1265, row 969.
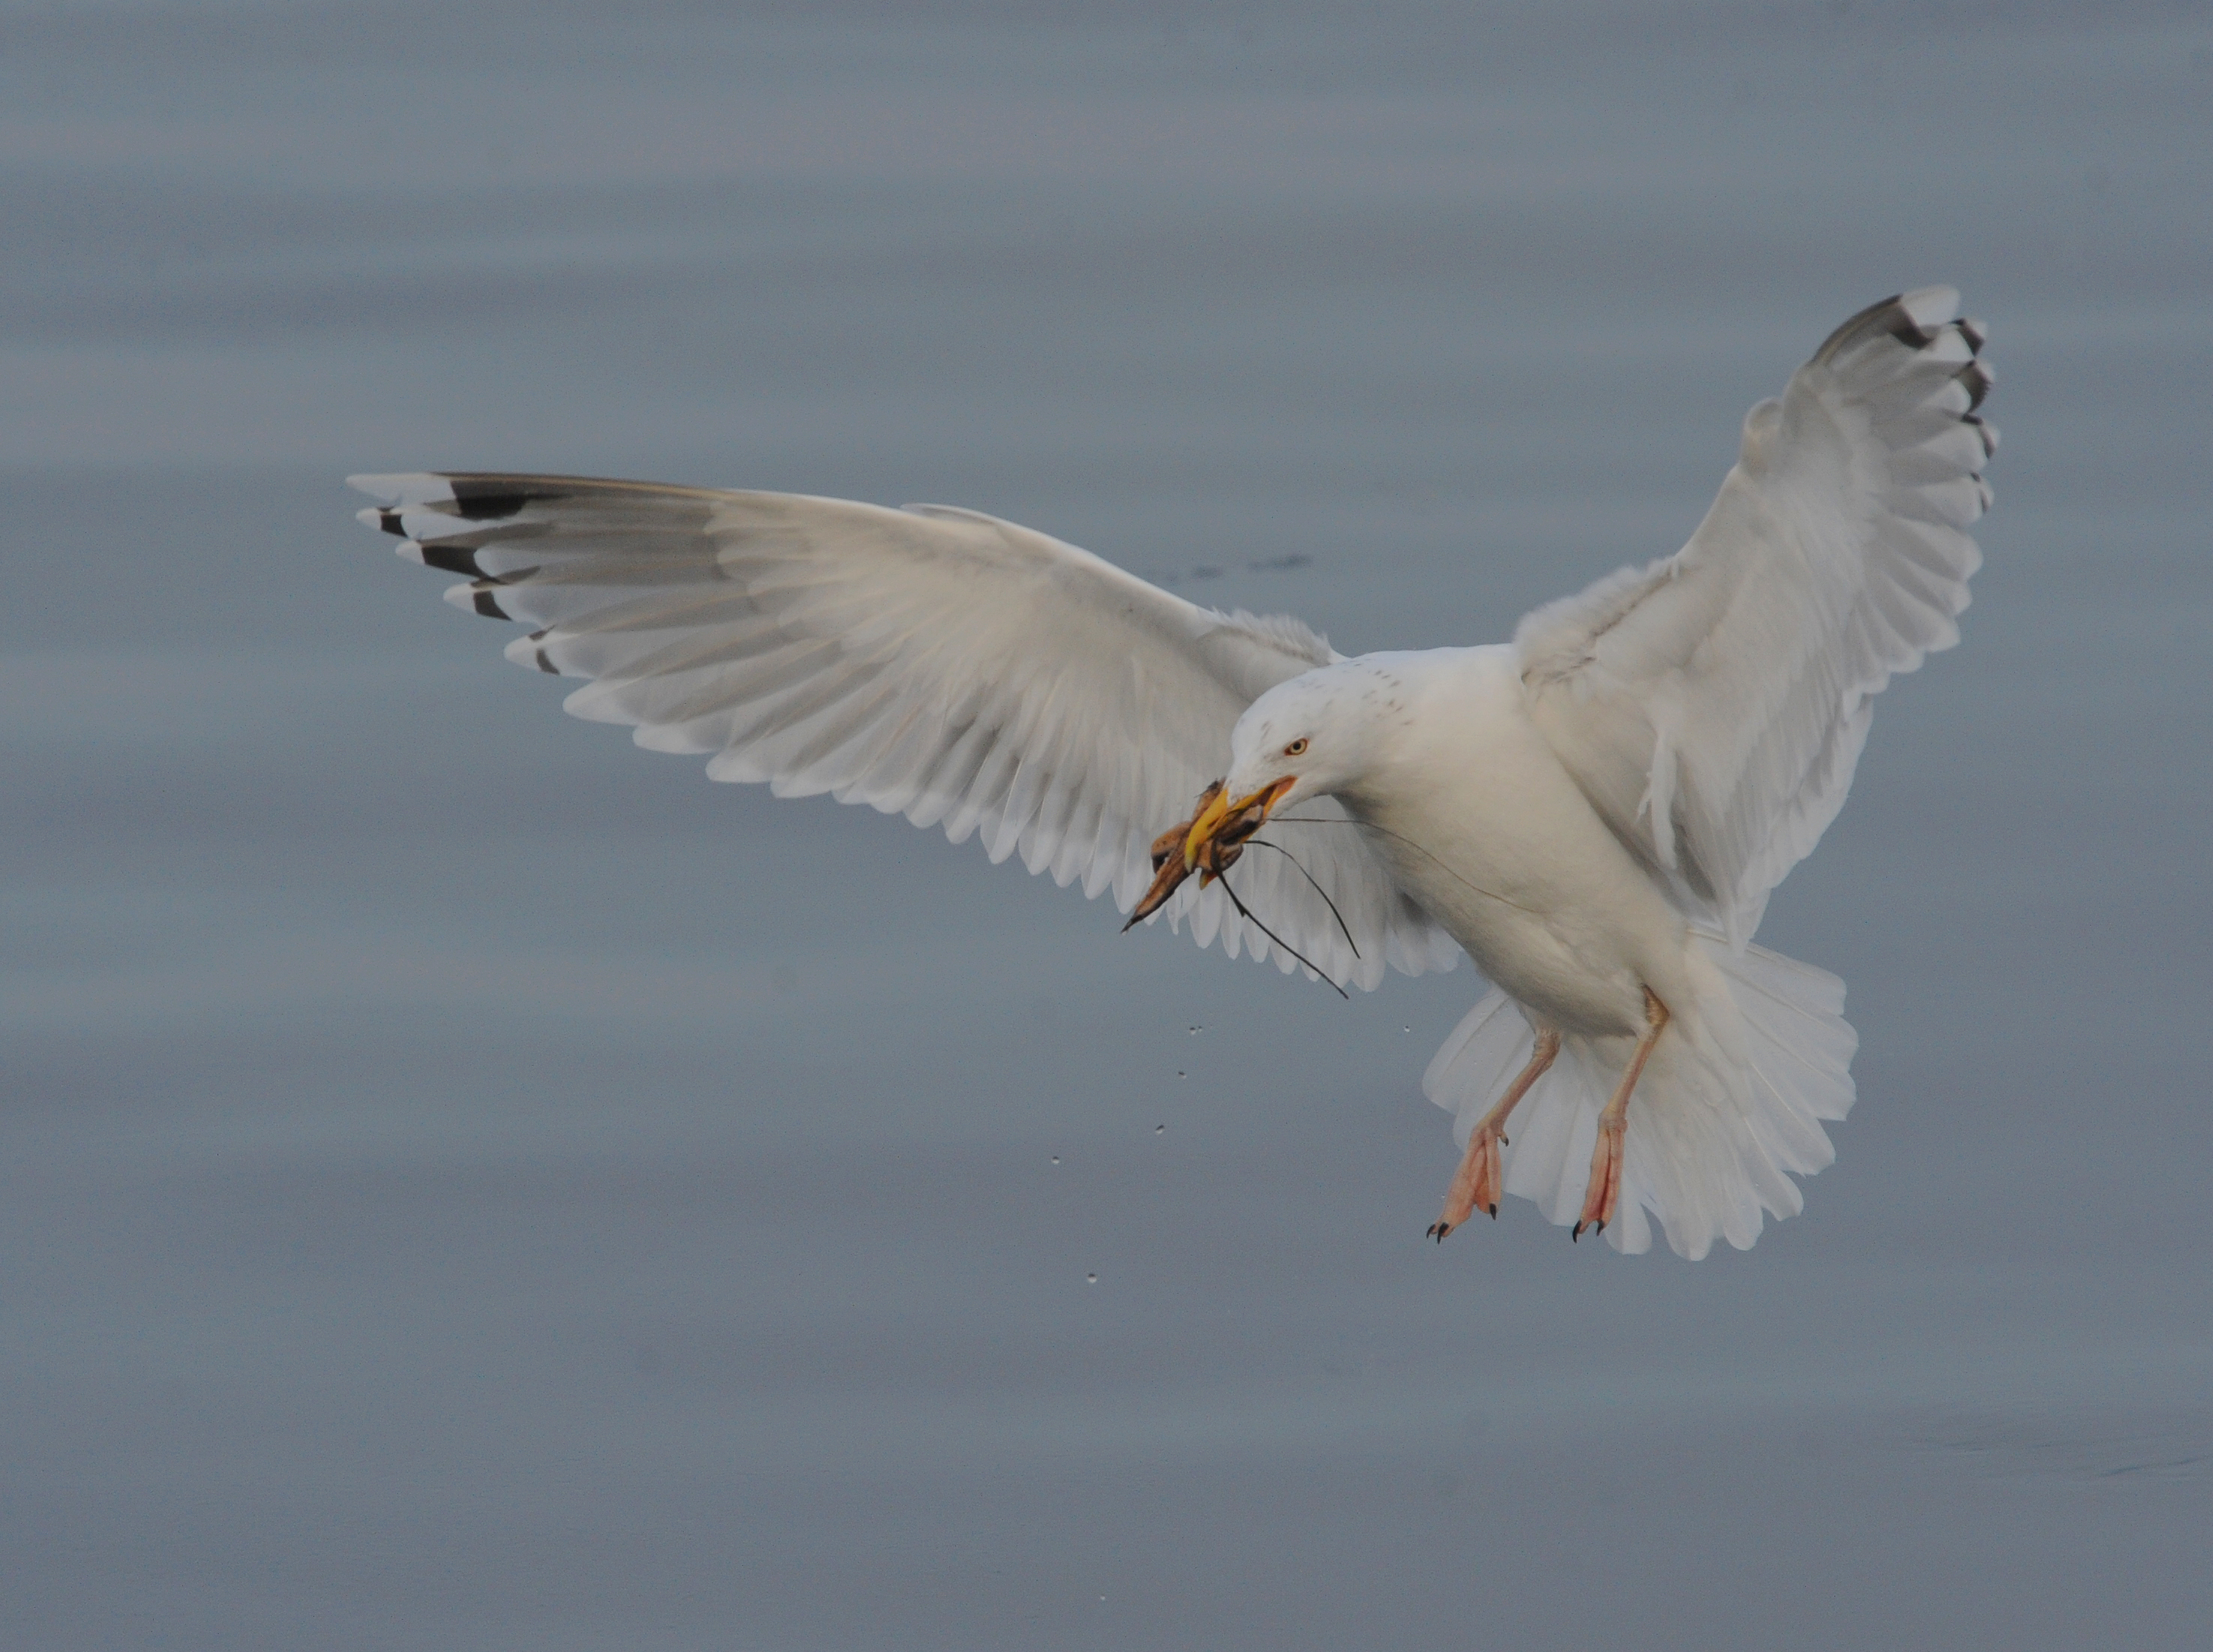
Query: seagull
column 1594, row 812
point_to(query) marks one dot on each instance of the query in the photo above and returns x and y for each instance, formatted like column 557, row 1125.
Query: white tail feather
column 1729, row 1108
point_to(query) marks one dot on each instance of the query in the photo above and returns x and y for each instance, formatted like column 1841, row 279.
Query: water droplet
column 1179, row 1074
column 1092, row 1279
column 1056, row 1158
column 1160, row 1130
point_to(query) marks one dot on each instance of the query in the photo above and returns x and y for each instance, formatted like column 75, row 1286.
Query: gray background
column 468, row 1183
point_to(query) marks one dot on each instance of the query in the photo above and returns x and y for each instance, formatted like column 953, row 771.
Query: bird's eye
column 1297, row 748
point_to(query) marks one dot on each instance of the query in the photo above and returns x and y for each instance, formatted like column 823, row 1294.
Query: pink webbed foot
column 1604, row 1195
column 1475, row 1184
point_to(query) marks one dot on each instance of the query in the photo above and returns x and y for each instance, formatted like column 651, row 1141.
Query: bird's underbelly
column 1547, row 903
column 1572, row 970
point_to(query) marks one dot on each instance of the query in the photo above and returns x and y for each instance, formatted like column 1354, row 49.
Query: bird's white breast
column 1482, row 826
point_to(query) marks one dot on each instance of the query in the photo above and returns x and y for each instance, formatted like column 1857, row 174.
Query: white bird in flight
column 1595, row 811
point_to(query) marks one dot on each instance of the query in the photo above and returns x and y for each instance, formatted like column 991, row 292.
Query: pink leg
column 1476, row 1185
column 1604, row 1194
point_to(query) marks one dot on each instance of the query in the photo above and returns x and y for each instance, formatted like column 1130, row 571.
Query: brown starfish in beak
column 1208, row 843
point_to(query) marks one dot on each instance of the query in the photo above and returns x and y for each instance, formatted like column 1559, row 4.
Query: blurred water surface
column 468, row 1183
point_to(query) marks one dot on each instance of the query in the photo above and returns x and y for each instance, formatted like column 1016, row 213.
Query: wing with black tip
column 959, row 670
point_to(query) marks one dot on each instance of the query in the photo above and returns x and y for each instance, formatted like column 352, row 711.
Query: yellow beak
column 1222, row 810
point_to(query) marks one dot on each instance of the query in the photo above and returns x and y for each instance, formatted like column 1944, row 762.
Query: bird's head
column 1302, row 739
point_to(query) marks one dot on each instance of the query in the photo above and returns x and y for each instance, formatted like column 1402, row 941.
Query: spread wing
column 935, row 663
column 1713, row 704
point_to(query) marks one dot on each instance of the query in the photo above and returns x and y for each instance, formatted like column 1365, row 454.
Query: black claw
column 1598, row 1230
column 1574, row 1233
column 1494, row 1213
column 1504, row 1140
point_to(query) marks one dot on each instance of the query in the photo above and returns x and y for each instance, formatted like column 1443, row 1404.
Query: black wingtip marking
column 454, row 558
column 547, row 665
column 1894, row 319
column 491, row 507
column 388, row 520
column 1974, row 335
column 1976, row 378
column 488, row 608
column 489, row 500
column 1908, row 332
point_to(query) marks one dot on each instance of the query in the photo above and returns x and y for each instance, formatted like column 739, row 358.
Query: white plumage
column 1713, row 704
column 1597, row 812
column 935, row 663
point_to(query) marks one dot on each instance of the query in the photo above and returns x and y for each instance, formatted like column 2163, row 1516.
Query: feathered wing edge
column 820, row 645
column 1713, row 704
